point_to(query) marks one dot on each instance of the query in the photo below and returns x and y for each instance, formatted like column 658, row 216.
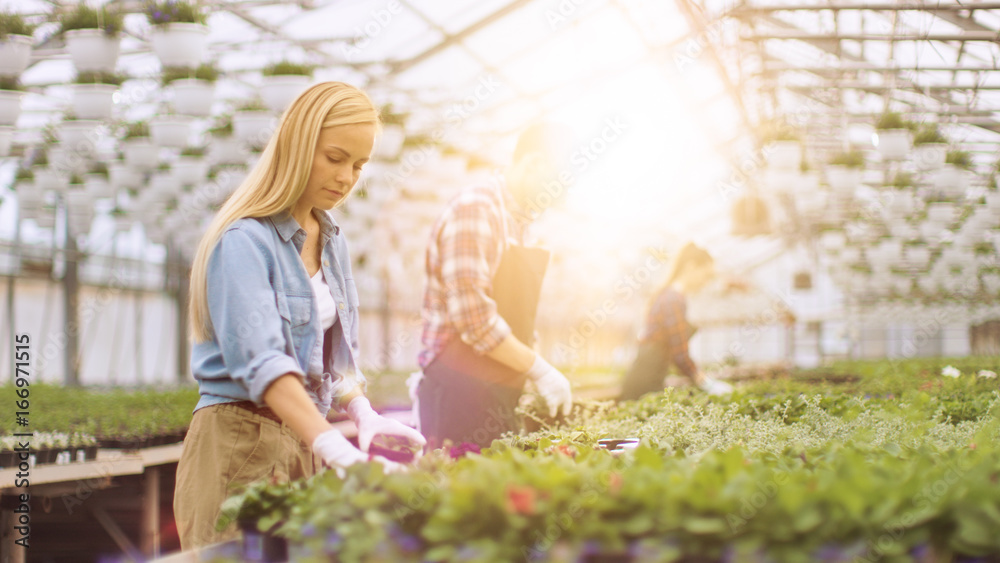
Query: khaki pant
column 226, row 448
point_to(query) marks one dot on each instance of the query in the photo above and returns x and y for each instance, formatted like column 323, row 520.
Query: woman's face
column 699, row 276
column 340, row 153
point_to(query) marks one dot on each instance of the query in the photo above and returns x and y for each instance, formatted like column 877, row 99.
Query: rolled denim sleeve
column 244, row 313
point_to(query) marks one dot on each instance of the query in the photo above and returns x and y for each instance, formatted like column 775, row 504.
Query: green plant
column 223, row 126
column 929, row 134
column 902, row 180
column 95, row 77
column 75, row 179
column 99, row 168
column 891, row 120
column 24, row 174
column 135, row 129
column 205, row 72
column 388, row 115
column 253, row 104
column 193, row 151
column 850, row 159
column 961, row 159
column 11, row 83
column 174, row 11
column 285, row 68
column 83, row 16
column 777, row 130
column 163, row 167
column 13, row 23
column 40, row 157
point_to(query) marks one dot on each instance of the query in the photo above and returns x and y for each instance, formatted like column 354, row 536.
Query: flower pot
column 8, row 459
column 179, row 44
column 929, row 156
column 917, row 256
column 253, row 128
column 90, row 452
column 894, row 144
column 97, row 186
column 193, row 96
column 92, row 50
column 10, row 106
column 49, row 178
column 78, row 201
column 784, row 155
column 170, row 130
column 163, row 185
column 278, row 92
column 141, row 154
column 842, row 179
column 122, row 176
column 190, row 170
column 950, row 181
column 93, row 101
column 941, row 212
column 389, row 142
column 226, row 150
column 79, row 136
column 15, row 54
column 6, row 140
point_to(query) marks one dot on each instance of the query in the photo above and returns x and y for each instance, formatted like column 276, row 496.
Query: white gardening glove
column 552, row 386
column 338, row 452
column 371, row 424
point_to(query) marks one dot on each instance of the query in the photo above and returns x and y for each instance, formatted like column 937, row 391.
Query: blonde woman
column 274, row 317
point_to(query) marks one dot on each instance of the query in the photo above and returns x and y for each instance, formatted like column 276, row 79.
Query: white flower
column 949, row 371
column 987, row 374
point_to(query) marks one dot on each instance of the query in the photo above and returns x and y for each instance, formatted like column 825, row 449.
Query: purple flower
column 464, row 448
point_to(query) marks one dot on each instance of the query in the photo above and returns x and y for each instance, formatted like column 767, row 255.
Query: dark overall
column 467, row 397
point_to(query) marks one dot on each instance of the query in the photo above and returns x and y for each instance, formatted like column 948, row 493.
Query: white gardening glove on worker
column 371, row 424
column 338, row 452
column 552, row 386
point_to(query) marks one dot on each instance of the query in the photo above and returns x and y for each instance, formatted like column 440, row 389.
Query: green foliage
column 892, row 120
column 777, row 130
column 24, row 175
column 850, row 159
column 206, row 72
column 253, row 104
column 11, row 83
column 94, row 77
column 285, row 68
column 99, row 168
column 961, row 159
column 388, row 115
column 135, row 130
column 12, row 23
column 76, row 179
column 223, row 126
column 193, row 151
column 902, row 180
column 929, row 134
column 174, row 11
column 83, row 16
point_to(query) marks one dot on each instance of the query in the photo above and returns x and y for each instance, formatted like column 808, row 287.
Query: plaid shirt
column 463, row 255
column 666, row 324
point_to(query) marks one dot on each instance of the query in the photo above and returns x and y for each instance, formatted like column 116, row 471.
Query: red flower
column 521, row 500
column 615, row 482
column 566, row 450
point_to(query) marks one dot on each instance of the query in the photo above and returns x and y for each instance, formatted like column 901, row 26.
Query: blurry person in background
column 664, row 338
column 274, row 316
column 483, row 284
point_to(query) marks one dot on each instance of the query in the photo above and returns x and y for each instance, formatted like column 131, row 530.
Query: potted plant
column 170, row 130
column 140, row 152
column 225, row 148
column 122, row 221
column 929, row 148
column 11, row 93
column 179, row 33
column 282, row 82
column 782, row 145
column 93, row 94
column 893, row 136
column 844, row 171
column 79, row 137
column 193, row 90
column 92, row 37
column 390, row 139
column 15, row 43
column 191, row 166
column 952, row 178
column 253, row 123
column 96, row 181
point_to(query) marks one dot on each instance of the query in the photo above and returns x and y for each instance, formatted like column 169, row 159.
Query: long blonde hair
column 278, row 179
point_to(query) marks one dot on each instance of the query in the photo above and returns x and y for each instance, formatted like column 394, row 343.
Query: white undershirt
column 327, row 316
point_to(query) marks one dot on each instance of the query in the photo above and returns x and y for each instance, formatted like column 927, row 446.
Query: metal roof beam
column 873, row 6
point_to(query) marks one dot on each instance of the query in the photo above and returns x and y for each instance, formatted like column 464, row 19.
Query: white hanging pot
column 6, row 140
column 991, row 282
column 91, row 50
column 190, row 170
column 170, row 130
column 226, row 150
column 78, row 201
column 93, row 101
column 947, row 180
column 29, row 194
column 46, row 218
column 842, row 179
column 15, row 54
column 389, row 141
column 929, row 156
column 193, row 96
column 278, row 92
column 98, row 186
column 123, row 222
column 122, row 176
column 941, row 212
column 79, row 135
column 49, row 178
column 784, row 155
column 10, row 106
column 917, row 256
column 179, row 44
column 141, row 154
column 894, row 144
column 163, row 185
column 253, row 128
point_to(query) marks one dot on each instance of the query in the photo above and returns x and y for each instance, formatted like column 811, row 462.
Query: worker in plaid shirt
column 664, row 338
column 480, row 301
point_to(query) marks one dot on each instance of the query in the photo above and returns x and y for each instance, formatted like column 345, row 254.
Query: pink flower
column 521, row 500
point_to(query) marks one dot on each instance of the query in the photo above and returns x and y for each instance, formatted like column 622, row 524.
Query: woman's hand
column 338, row 453
column 371, row 424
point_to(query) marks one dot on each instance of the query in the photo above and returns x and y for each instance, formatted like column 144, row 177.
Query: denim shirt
column 264, row 318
